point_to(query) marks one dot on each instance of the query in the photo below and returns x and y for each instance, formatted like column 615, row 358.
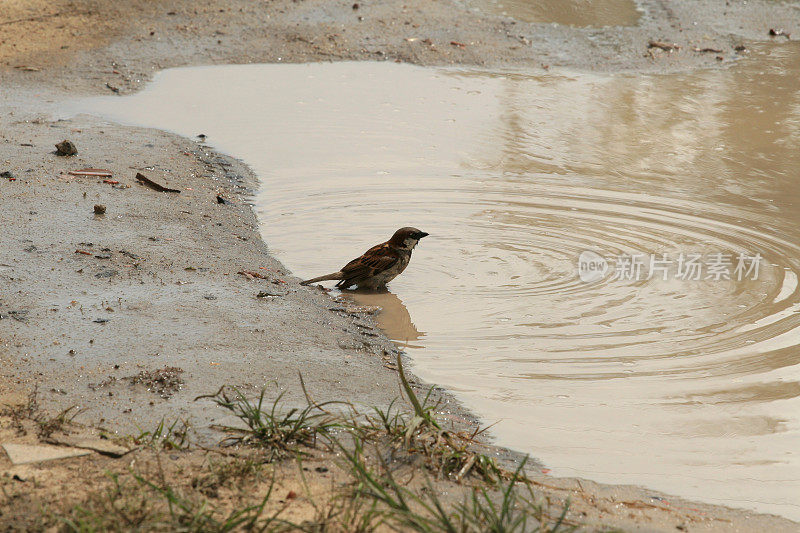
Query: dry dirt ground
column 131, row 314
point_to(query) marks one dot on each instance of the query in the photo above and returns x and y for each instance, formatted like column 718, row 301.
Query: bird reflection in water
column 393, row 318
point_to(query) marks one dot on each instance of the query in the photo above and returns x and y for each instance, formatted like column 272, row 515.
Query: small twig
column 667, row 47
column 211, row 395
column 152, row 184
column 466, row 468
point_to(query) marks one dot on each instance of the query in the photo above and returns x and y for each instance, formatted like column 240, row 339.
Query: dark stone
column 66, row 148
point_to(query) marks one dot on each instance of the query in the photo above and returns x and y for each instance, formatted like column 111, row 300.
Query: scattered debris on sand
column 165, row 382
column 267, row 294
column 251, row 274
column 20, row 315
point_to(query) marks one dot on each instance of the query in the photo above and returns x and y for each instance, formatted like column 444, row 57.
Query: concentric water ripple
column 692, row 387
column 533, row 301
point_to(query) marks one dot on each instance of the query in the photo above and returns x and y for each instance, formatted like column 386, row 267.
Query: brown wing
column 374, row 261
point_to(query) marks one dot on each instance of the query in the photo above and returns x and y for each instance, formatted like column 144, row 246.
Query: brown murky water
column 690, row 386
column 569, row 12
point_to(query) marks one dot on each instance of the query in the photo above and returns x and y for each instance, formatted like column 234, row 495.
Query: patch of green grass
column 49, row 425
column 166, row 437
column 383, row 488
column 280, row 432
column 423, row 411
column 515, row 509
column 510, row 509
column 418, row 433
column 45, row 424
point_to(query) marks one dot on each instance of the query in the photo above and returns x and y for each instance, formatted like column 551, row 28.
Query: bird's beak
column 422, row 234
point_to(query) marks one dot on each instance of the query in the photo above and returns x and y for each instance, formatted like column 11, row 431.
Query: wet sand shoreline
column 160, row 285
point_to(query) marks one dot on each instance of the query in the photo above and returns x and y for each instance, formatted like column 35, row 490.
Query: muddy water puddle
column 655, row 373
column 594, row 13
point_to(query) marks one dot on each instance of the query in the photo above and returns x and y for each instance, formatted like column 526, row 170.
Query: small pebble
column 99, row 209
column 65, row 148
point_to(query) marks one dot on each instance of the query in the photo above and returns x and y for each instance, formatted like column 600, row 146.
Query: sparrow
column 379, row 265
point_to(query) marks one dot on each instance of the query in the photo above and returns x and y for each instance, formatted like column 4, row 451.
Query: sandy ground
column 160, row 34
column 94, row 308
column 91, row 301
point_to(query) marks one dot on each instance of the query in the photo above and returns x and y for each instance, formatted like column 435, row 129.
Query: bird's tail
column 335, row 275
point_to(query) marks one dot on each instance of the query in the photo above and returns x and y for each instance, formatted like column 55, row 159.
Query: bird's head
column 407, row 238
